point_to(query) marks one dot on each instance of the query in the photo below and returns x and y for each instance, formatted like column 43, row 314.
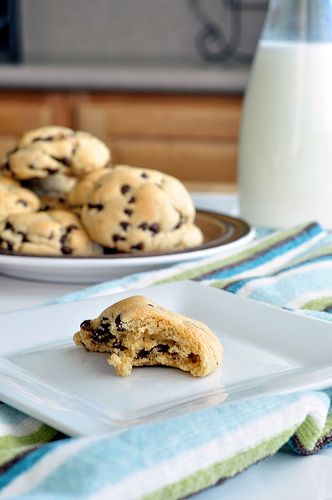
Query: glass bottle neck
column 298, row 20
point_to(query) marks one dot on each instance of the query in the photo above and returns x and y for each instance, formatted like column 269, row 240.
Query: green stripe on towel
column 221, row 471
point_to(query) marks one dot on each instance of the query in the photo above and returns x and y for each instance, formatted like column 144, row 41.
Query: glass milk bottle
column 285, row 153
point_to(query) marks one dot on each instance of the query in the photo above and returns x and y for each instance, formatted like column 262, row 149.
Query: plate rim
column 205, row 247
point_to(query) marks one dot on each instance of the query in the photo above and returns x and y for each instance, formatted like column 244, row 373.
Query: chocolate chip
column 71, row 228
column 22, row 202
column 96, row 206
column 178, row 225
column 117, row 237
column 162, row 348
column 125, row 188
column 9, row 226
column 5, row 166
column 143, row 353
column 48, row 138
column 143, row 226
column 86, row 325
column 128, row 212
column 103, row 332
column 119, row 324
column 132, row 200
column 6, row 245
column 155, row 228
column 144, row 175
column 109, row 250
column 65, row 249
column 124, row 225
column 118, row 345
column 100, row 335
column 24, row 236
column 64, row 161
column 193, row 357
column 151, row 305
column 51, row 171
column 139, row 246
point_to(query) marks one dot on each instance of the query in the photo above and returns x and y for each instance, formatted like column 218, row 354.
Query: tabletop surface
column 281, row 476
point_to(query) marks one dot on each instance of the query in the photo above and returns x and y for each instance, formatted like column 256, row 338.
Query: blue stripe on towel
column 262, row 257
column 26, row 463
column 142, row 447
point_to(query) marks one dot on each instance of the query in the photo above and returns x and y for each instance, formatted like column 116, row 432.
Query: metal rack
column 211, row 42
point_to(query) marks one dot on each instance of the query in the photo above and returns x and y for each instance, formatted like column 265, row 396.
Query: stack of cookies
column 60, row 195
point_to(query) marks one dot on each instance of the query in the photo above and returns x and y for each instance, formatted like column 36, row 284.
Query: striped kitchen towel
column 182, row 455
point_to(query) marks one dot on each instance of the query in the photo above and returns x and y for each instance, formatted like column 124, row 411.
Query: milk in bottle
column 285, row 157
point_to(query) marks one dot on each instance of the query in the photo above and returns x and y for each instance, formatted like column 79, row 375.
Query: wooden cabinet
column 23, row 111
column 191, row 136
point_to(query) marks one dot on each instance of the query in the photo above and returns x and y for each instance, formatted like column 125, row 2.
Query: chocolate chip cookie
column 56, row 232
column 14, row 199
column 138, row 332
column 49, row 150
column 134, row 209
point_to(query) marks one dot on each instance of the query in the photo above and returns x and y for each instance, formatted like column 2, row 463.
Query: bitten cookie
column 139, row 332
column 49, row 150
column 56, row 232
column 135, row 209
column 14, row 199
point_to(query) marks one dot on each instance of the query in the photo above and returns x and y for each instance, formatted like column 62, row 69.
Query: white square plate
column 266, row 350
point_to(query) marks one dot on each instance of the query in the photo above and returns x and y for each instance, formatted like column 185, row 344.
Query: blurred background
column 160, row 81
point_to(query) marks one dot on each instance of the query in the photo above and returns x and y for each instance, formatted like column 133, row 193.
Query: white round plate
column 222, row 233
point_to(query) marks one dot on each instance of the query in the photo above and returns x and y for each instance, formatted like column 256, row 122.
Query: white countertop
column 282, row 476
